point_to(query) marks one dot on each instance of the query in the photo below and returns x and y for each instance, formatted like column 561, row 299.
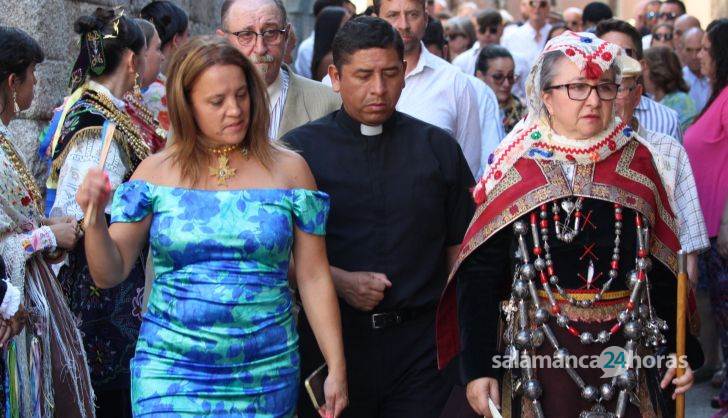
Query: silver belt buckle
column 375, row 324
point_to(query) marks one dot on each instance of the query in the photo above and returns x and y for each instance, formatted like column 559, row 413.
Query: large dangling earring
column 15, row 102
column 137, row 86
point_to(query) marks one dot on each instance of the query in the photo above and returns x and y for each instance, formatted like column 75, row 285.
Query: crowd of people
column 406, row 196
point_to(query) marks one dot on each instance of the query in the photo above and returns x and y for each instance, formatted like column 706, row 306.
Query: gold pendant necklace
column 223, row 171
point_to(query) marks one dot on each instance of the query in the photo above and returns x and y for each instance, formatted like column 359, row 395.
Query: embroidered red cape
column 627, row 177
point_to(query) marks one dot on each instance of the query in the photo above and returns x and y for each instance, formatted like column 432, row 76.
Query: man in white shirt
column 259, row 29
column 435, row 91
column 529, row 39
column 688, row 47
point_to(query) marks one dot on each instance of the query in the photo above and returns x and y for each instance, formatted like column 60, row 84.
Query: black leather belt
column 381, row 320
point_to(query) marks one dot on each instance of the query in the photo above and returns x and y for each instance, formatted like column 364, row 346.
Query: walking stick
column 682, row 297
column 89, row 218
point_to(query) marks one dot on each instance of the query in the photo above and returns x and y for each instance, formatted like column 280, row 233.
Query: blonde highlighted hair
column 187, row 65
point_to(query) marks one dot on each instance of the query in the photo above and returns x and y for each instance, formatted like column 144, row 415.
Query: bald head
column 572, row 17
column 688, row 48
column 685, row 22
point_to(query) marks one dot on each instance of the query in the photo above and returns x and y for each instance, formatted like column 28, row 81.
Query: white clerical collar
column 367, row 130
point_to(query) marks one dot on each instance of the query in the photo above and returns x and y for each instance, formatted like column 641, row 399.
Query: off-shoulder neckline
column 270, row 189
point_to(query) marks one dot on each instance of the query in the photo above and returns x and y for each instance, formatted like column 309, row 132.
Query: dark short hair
column 365, row 32
column 167, row 17
column 487, row 18
column 680, row 4
column 378, row 5
column 488, row 53
column 616, row 25
column 18, row 51
column 434, row 33
column 596, row 12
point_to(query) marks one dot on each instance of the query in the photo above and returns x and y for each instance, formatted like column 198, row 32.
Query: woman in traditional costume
column 152, row 132
column 46, row 372
column 576, row 234
column 172, row 25
column 223, row 208
column 111, row 55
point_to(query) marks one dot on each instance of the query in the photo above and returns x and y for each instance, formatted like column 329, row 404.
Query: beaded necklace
column 26, row 177
column 123, row 122
column 637, row 321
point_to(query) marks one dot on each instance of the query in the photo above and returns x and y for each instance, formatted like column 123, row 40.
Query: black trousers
column 392, row 372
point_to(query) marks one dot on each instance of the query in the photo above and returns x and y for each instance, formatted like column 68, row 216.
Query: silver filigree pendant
column 597, row 411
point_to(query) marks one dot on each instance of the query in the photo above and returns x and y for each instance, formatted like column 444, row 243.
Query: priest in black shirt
column 400, row 206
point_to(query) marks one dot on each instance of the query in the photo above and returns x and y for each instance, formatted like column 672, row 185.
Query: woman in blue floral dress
column 222, row 208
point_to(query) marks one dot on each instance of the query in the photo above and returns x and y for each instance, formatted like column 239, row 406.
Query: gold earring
column 15, row 102
column 137, row 86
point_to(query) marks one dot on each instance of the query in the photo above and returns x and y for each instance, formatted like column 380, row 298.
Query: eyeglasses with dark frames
column 500, row 78
column 490, row 29
column 582, row 91
column 668, row 16
column 538, row 4
column 270, row 37
column 662, row 36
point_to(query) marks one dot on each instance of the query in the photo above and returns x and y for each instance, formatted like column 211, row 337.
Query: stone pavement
column 697, row 404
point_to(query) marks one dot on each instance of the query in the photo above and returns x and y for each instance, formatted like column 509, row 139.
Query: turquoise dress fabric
column 218, row 338
column 683, row 104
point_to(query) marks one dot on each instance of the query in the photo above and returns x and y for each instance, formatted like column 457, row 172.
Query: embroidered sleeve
column 83, row 156
column 40, row 239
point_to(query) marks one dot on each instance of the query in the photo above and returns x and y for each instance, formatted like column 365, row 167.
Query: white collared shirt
column 438, row 93
column 277, row 92
column 700, row 88
column 522, row 42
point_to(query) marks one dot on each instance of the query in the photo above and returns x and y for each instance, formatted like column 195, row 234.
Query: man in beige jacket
column 260, row 30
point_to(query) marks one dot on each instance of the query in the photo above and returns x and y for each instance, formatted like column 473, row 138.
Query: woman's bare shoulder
column 294, row 169
column 156, row 168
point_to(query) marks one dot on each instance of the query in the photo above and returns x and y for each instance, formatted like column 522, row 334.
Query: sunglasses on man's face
column 662, row 36
column 491, row 30
column 651, row 15
column 538, row 4
column 668, row 16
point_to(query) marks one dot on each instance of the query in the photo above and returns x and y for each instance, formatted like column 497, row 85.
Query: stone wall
column 50, row 22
